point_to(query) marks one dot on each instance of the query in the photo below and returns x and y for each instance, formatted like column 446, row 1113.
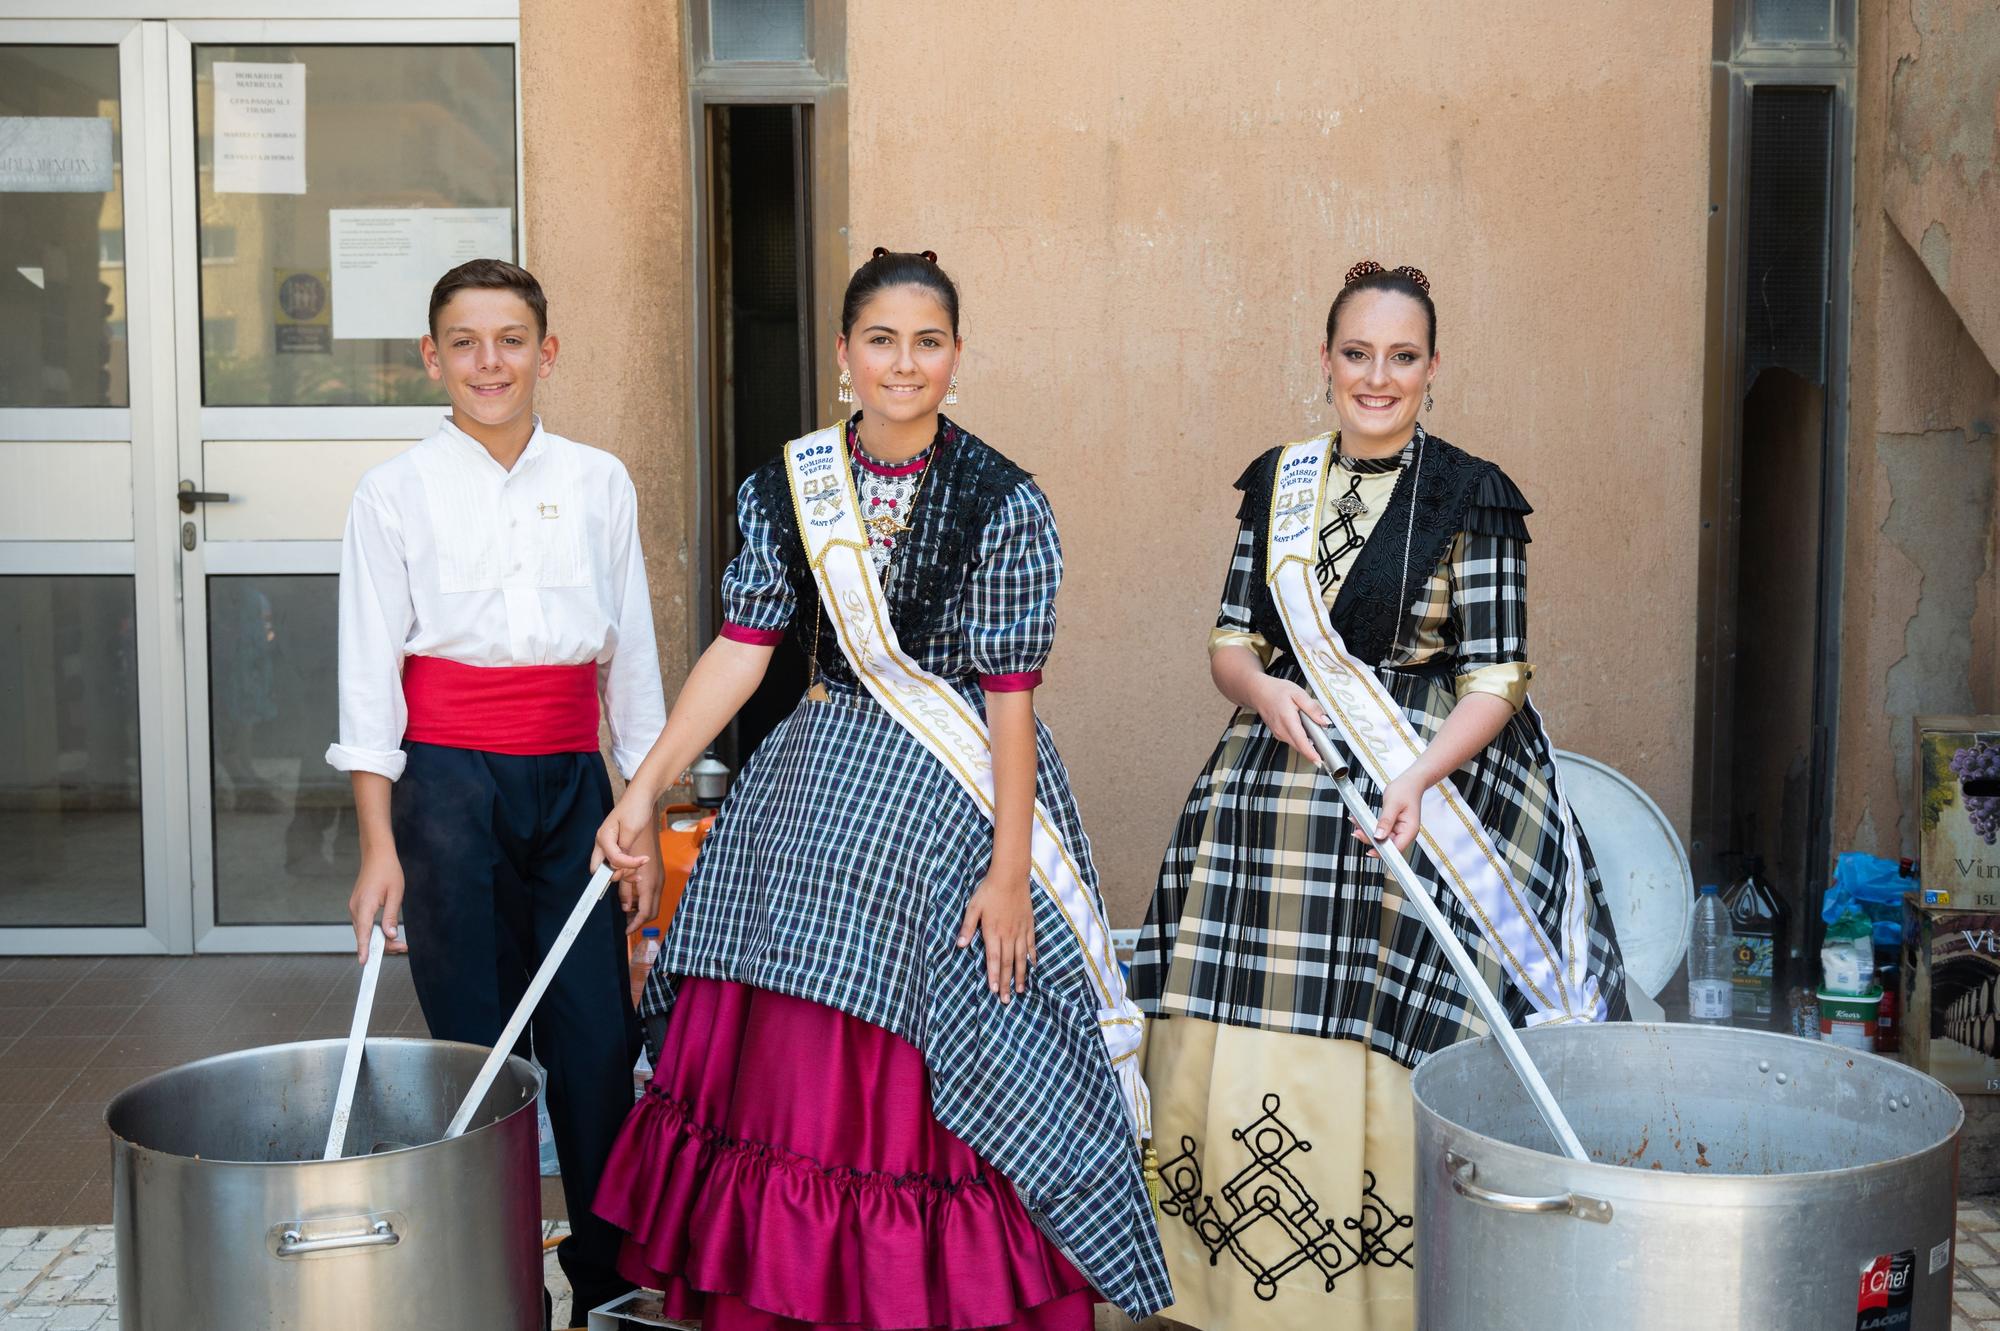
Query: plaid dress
column 1269, row 913
column 1313, row 989
column 840, row 865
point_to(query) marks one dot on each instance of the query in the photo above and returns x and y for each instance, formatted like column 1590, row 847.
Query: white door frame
column 199, row 424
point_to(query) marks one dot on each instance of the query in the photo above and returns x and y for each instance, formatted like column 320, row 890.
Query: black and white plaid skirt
column 1268, row 912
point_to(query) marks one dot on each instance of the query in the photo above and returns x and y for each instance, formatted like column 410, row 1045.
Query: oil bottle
column 1759, row 925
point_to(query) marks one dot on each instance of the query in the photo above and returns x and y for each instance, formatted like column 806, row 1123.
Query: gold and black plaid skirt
column 1292, row 992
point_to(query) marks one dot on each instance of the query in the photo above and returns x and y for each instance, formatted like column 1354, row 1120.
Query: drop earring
column 951, row 392
column 846, row 393
column 1428, row 404
column 1329, row 391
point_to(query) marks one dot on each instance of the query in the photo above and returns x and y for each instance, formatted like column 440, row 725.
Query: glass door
column 217, row 240
column 92, row 822
column 335, row 175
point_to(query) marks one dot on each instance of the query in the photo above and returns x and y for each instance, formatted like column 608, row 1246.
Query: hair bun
column 1368, row 268
column 880, row 250
column 931, row 255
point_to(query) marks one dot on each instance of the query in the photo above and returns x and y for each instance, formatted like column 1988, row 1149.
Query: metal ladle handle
column 593, row 892
column 1419, row 898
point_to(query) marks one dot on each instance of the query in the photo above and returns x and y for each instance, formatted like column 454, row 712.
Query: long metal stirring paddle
column 593, row 892
column 357, row 1040
column 1419, row 897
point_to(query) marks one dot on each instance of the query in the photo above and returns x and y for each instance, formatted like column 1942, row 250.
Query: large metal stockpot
column 1746, row 1180
column 224, row 1214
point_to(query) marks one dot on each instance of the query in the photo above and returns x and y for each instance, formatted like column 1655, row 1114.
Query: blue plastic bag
column 1875, row 887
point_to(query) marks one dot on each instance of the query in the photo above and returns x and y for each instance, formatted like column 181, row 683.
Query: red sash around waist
column 522, row 710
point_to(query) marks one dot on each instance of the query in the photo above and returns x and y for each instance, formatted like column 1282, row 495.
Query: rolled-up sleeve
column 634, row 703
column 1489, row 607
column 1010, row 609
column 375, row 619
column 757, row 598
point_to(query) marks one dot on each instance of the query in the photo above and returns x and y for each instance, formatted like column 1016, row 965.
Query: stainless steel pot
column 225, row 1216
column 1746, row 1180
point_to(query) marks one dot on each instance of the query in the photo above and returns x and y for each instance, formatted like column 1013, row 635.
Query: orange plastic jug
column 683, row 827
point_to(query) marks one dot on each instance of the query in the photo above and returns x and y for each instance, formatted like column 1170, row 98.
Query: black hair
column 890, row 268
column 1371, row 276
column 491, row 275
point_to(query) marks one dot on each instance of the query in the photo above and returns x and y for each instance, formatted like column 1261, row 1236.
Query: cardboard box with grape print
column 1958, row 776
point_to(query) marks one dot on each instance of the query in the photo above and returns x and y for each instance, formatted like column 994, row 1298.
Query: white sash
column 1379, row 737
column 828, row 513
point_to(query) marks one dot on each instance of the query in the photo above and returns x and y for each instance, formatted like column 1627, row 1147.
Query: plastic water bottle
column 1710, row 975
column 545, row 1132
column 642, row 959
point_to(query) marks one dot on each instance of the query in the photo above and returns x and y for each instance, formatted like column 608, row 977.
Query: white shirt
column 448, row 554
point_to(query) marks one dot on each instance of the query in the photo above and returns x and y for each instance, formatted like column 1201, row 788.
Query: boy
column 490, row 577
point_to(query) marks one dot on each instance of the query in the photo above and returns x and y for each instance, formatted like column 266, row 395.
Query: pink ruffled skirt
column 784, row 1172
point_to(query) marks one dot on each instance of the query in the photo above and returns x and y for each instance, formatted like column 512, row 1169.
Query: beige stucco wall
column 604, row 111
column 1149, row 207
column 1919, row 608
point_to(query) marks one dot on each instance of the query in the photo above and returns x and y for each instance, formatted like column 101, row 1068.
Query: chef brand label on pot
column 1887, row 1284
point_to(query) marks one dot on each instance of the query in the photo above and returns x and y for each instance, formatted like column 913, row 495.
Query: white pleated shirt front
column 449, row 554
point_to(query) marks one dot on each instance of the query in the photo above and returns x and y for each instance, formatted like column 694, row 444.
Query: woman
column 1378, row 585
column 887, row 1095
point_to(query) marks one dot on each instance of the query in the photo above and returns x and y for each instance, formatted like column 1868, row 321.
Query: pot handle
column 1460, row 1172
column 292, row 1241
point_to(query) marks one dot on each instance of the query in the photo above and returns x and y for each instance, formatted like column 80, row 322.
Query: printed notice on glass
column 55, row 155
column 260, row 128
column 386, row 260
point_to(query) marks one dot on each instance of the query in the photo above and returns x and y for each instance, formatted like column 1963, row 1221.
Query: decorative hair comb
column 882, row 250
column 1368, row 268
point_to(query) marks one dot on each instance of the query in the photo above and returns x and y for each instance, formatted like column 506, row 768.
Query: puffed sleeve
column 1232, row 620
column 1489, row 592
column 757, row 598
column 1010, row 610
column 1233, row 627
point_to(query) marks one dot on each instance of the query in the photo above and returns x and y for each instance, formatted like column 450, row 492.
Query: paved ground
column 76, row 1030
column 1977, row 1277
column 63, row 1279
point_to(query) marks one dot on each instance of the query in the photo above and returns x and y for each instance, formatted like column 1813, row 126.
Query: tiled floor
column 76, row 1030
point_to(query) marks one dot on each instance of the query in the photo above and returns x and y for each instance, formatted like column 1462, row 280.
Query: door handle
column 189, row 496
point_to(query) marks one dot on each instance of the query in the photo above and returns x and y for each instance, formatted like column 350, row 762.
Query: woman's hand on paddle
column 1402, row 814
column 626, row 831
column 1001, row 914
column 639, row 895
column 1279, row 702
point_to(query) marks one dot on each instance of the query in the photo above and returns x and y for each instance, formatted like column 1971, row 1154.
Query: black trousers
column 495, row 851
